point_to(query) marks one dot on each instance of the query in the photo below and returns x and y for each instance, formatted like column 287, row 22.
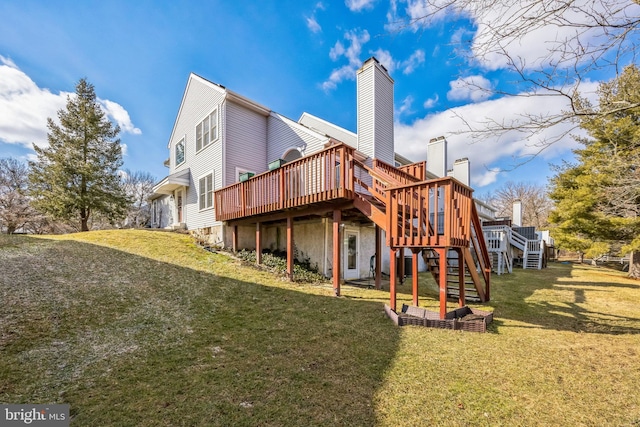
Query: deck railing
column 431, row 213
column 419, row 214
column 322, row 176
column 418, row 170
column 399, row 175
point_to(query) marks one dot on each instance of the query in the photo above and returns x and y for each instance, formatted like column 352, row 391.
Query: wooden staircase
column 404, row 205
column 454, row 275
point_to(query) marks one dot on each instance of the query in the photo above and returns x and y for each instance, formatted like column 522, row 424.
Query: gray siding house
column 221, row 138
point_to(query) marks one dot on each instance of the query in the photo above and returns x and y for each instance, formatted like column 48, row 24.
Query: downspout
column 223, row 135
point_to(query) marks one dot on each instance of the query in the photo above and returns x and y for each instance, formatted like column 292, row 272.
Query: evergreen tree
column 77, row 175
column 598, row 199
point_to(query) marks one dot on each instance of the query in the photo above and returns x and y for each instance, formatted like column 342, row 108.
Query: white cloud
column 359, row 5
column 25, row 107
column 416, row 13
column 117, row 113
column 313, row 25
column 414, row 61
column 472, row 88
column 405, row 107
column 312, row 22
column 385, row 58
column 490, row 155
column 546, row 41
column 431, row 102
column 336, row 51
column 352, row 53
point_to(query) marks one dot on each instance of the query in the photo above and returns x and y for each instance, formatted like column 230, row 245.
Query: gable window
column 205, row 192
column 207, row 130
column 180, row 152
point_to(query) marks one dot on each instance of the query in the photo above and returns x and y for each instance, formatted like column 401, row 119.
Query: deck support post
column 378, row 259
column 414, row 274
column 290, row 247
column 401, row 272
column 337, row 217
column 234, row 239
column 392, row 278
column 442, row 280
column 461, row 284
column 258, row 243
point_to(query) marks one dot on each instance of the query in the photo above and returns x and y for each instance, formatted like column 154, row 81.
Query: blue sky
column 291, row 56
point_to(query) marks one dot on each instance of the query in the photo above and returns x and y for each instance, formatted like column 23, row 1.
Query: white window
column 180, row 152
column 205, row 192
column 207, row 130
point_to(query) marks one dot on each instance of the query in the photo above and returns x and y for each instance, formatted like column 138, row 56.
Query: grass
column 144, row 328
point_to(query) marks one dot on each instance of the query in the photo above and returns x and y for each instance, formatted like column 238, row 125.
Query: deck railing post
column 392, row 278
column 290, row 247
column 442, row 280
column 378, row 259
column 448, row 212
column 414, row 274
column 258, row 243
column 337, row 214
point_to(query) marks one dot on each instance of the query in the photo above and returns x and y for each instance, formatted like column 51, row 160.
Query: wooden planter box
column 463, row 319
column 245, row 176
column 276, row 164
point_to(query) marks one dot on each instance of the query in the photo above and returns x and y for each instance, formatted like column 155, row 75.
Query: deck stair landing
column 505, row 243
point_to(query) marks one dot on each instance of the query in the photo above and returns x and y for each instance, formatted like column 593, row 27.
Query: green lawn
column 144, row 328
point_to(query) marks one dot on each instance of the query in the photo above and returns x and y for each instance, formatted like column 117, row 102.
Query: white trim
column 154, row 213
column 182, row 141
column 293, row 148
column 248, row 103
column 240, row 170
column 204, row 81
column 215, row 110
column 351, row 273
column 179, row 191
column 299, row 126
column 329, row 124
column 204, row 175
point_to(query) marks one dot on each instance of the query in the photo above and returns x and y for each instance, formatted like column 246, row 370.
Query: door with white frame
column 351, row 254
column 179, row 207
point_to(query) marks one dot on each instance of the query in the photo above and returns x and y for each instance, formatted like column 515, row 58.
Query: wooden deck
column 414, row 212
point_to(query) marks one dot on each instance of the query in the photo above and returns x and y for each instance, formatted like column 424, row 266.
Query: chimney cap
column 373, row 58
column 439, row 138
column 373, row 61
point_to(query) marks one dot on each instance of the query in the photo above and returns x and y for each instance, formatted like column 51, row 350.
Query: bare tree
column 138, row 187
column 15, row 208
column 550, row 46
column 536, row 205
